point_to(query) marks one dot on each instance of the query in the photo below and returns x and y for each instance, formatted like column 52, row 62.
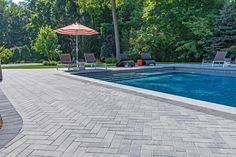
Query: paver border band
column 197, row 105
column 12, row 121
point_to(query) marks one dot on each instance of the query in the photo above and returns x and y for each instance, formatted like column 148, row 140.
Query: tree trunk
column 116, row 30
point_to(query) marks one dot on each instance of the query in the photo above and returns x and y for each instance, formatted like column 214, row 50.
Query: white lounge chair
column 220, row 58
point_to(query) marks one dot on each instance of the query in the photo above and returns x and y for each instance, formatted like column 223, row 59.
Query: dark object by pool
column 0, row 73
column 124, row 60
column 1, row 122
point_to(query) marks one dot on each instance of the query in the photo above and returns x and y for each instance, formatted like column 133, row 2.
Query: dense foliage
column 172, row 30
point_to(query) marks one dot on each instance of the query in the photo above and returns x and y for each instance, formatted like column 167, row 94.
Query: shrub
column 50, row 63
column 46, row 43
column 5, row 53
column 111, row 60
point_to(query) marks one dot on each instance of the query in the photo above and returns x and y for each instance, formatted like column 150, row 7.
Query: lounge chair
column 125, row 61
column 65, row 58
column 147, row 59
column 220, row 57
column 90, row 59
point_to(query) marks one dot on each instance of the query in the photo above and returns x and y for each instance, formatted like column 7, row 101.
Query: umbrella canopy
column 76, row 29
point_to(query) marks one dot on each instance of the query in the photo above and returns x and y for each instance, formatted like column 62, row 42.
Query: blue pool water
column 212, row 88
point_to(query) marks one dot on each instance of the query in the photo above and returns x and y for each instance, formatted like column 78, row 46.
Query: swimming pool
column 211, row 87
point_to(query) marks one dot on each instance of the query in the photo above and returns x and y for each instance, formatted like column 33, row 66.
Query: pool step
column 115, row 77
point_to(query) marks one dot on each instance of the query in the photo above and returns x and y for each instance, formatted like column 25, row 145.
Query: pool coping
column 198, row 105
column 199, row 67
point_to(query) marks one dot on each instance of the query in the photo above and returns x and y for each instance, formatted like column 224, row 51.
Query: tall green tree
column 224, row 37
column 116, row 29
column 13, row 19
column 3, row 21
column 41, row 15
column 95, row 14
column 177, row 22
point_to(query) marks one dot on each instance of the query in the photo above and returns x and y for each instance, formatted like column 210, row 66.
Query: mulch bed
column 1, row 123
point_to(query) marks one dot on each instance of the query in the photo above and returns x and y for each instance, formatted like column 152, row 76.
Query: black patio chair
column 125, row 61
column 147, row 59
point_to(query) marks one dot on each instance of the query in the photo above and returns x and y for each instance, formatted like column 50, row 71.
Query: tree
column 41, row 16
column 192, row 49
column 46, row 43
column 13, row 19
column 116, row 30
column 107, row 47
column 3, row 21
column 224, row 37
column 169, row 29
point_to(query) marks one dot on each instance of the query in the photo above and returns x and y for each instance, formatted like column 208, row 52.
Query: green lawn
column 64, row 66
column 31, row 67
column 44, row 66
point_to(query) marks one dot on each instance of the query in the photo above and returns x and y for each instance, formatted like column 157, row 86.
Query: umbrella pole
column 77, row 52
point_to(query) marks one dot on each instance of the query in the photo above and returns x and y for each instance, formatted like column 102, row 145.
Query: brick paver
column 66, row 117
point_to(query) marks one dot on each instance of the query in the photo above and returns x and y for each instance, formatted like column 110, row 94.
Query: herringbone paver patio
column 66, row 117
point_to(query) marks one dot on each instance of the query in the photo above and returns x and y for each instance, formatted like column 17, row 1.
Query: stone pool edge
column 198, row 105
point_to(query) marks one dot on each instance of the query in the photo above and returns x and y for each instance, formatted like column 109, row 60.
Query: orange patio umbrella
column 76, row 29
